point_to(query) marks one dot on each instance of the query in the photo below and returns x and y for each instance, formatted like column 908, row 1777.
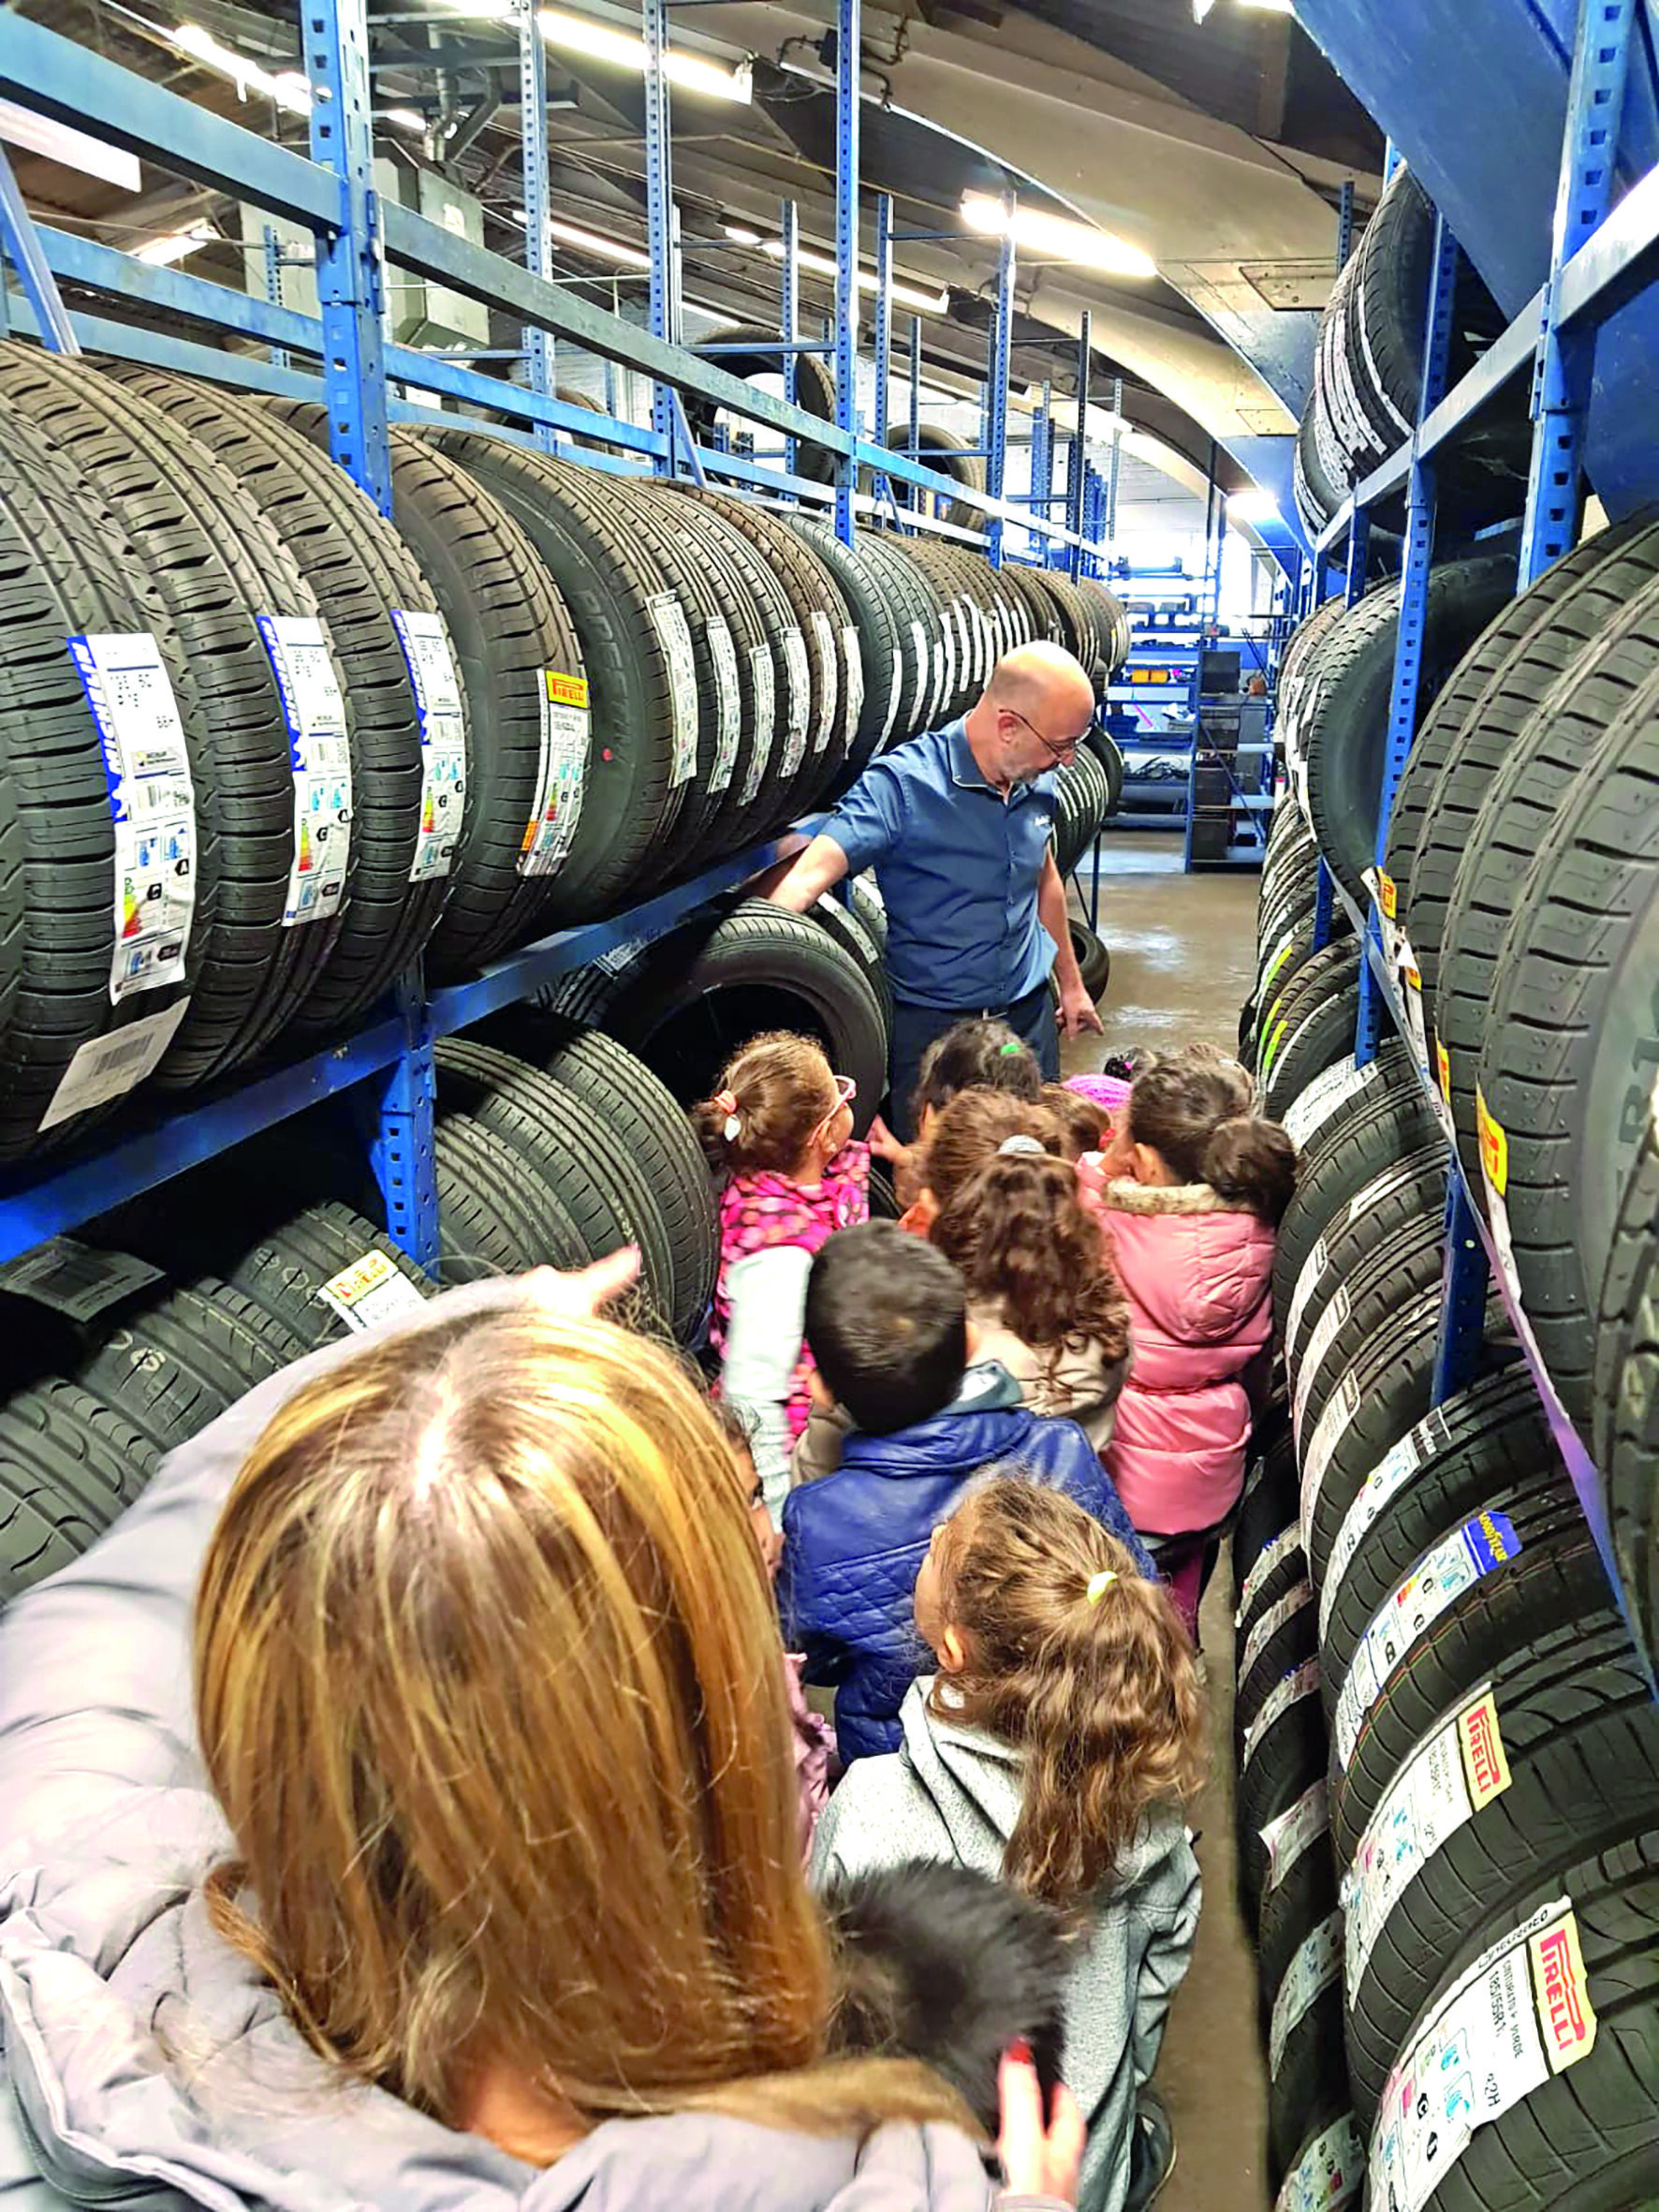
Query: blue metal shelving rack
column 1595, row 257
column 341, row 356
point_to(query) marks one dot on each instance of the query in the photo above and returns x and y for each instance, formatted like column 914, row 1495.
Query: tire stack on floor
column 339, row 744
column 1448, row 1799
column 1368, row 374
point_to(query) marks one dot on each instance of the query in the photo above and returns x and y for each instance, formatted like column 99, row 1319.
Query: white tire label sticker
column 1482, row 1544
column 151, row 808
column 826, row 663
column 562, row 774
column 798, row 671
column 1520, row 2014
column 855, row 680
column 764, row 685
column 372, row 1290
column 728, row 703
column 668, row 618
column 443, row 739
column 1331, row 2173
column 1313, row 1969
column 1287, row 1837
column 319, row 758
column 107, row 1068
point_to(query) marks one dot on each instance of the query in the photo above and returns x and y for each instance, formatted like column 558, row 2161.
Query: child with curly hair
column 1055, row 1746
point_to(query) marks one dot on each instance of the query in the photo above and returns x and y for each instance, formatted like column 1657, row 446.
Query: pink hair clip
column 728, row 1103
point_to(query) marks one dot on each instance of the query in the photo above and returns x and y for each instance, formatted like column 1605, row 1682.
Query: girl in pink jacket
column 1191, row 1191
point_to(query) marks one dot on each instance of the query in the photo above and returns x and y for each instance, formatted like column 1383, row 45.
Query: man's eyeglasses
column 1057, row 753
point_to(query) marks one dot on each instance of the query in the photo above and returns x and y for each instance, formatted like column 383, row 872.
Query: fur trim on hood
column 1123, row 1195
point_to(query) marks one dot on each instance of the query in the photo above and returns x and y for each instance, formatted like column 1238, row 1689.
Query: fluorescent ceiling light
column 402, row 118
column 174, row 245
column 1056, row 237
column 1252, row 507
column 72, row 148
column 288, row 89
column 903, row 295
column 603, row 249
column 741, row 234
column 595, row 41
column 1201, row 7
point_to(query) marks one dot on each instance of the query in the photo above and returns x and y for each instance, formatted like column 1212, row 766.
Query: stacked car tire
column 1449, row 1797
column 337, row 743
column 1368, row 373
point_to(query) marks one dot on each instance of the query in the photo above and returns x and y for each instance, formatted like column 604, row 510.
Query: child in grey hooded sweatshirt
column 1053, row 1747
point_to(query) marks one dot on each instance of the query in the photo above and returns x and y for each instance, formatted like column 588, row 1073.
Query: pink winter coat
column 1197, row 1271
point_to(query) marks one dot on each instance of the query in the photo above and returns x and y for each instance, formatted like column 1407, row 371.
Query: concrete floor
column 1182, row 949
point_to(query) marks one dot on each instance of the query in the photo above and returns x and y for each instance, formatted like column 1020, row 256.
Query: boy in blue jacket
column 887, row 1326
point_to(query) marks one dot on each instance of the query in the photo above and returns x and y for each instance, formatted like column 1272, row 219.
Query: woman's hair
column 1100, row 1693
column 776, row 1091
column 489, row 1686
column 1193, row 1107
column 976, row 1054
column 968, row 1133
column 1023, row 1240
column 1080, row 1121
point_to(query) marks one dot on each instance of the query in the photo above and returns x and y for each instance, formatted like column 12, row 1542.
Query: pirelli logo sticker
column 1566, row 2014
column 1443, row 1069
column 1494, row 1145
column 1486, row 1764
column 1387, row 896
column 567, row 691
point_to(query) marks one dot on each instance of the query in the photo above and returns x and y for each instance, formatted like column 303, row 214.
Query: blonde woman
column 447, row 1853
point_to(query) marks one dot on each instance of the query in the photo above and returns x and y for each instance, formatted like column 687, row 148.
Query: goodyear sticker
column 1494, row 1145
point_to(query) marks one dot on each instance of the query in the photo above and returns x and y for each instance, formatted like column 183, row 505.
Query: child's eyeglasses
column 846, row 1090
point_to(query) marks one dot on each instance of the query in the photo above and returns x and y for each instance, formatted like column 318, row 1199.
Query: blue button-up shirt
column 958, row 866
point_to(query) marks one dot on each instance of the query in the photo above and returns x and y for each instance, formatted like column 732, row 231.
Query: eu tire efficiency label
column 764, row 686
column 372, row 1290
column 1484, row 1542
column 853, row 655
column 561, row 774
column 319, row 756
column 151, row 807
column 827, row 662
column 797, row 672
column 1386, row 1481
column 1294, row 1831
column 443, row 739
column 668, row 618
column 1307, row 1282
column 1340, row 1410
column 1314, row 1968
column 1302, row 1682
column 1294, row 1601
column 1267, row 1559
column 1324, row 1097
column 894, row 698
column 1333, row 1318
column 1519, row 2015
column 1330, row 2173
column 1450, row 1776
column 728, row 702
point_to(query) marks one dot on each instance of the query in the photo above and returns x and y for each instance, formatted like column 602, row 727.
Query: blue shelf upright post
column 911, row 441
column 884, row 330
column 666, row 410
column 273, row 267
column 1042, row 462
column 350, row 288
column 789, row 310
column 1114, row 464
column 847, row 54
column 1079, row 442
column 1560, row 375
column 533, row 122
column 996, row 394
column 40, row 287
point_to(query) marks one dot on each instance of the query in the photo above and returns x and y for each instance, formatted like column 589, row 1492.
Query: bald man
column 957, row 826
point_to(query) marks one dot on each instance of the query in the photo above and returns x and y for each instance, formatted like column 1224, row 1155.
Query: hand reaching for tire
column 582, row 1295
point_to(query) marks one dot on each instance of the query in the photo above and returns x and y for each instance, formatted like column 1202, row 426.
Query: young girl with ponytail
column 1054, row 1745
column 1191, row 1191
column 779, row 1130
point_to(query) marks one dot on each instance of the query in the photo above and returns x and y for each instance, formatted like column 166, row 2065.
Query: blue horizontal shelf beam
column 1614, row 260
column 55, row 1200
column 98, row 333
column 516, row 976
column 52, row 76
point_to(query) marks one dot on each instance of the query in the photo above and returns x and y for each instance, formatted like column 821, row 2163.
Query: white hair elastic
column 1020, row 1143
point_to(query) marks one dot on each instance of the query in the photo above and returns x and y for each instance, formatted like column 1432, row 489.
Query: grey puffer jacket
column 953, row 1793
column 143, row 2061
